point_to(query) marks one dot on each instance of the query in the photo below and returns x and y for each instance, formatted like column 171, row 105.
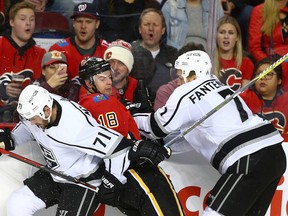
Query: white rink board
column 191, row 175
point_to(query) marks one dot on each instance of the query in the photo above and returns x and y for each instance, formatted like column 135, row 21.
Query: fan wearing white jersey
column 243, row 147
column 72, row 143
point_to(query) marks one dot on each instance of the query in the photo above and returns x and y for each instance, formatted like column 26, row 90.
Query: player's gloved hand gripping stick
column 226, row 101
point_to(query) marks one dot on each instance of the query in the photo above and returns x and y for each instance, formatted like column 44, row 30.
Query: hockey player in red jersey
column 245, row 149
column 144, row 180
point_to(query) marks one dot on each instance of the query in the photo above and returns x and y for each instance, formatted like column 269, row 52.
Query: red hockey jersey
column 109, row 112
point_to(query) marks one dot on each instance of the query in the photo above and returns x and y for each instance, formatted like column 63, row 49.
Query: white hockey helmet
column 196, row 60
column 32, row 101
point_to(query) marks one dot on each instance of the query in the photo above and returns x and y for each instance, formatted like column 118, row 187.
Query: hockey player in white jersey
column 72, row 143
column 243, row 147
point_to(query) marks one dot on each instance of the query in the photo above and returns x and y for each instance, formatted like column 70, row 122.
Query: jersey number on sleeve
column 243, row 114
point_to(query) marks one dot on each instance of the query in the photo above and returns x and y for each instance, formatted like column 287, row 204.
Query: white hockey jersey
column 75, row 143
column 224, row 137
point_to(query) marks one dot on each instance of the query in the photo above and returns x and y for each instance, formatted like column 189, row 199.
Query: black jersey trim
column 179, row 102
column 239, row 140
column 77, row 146
column 124, row 143
column 155, row 127
column 81, row 111
column 58, row 114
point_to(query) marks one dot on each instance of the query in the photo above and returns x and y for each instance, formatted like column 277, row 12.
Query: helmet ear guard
column 196, row 60
column 91, row 80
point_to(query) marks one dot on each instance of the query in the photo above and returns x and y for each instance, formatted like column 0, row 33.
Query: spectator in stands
column 118, row 16
column 125, row 88
column 268, row 29
column 164, row 92
column 268, row 32
column 19, row 54
column 241, row 10
column 85, row 42
column 267, row 98
column 54, row 76
column 152, row 56
column 188, row 21
column 232, row 66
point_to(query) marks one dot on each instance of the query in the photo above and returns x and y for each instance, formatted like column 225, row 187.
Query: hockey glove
column 132, row 107
column 150, row 150
column 110, row 190
column 6, row 141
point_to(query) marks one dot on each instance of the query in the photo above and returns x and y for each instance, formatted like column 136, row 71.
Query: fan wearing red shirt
column 232, row 67
column 19, row 54
column 85, row 42
column 267, row 98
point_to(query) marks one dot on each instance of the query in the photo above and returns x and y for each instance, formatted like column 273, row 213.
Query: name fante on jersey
column 204, row 89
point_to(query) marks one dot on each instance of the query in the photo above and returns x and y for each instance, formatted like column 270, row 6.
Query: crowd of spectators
column 242, row 32
column 140, row 40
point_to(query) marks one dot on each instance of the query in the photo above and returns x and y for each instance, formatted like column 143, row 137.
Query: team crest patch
column 100, row 97
column 62, row 43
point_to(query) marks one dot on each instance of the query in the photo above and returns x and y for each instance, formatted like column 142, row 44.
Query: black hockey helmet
column 91, row 66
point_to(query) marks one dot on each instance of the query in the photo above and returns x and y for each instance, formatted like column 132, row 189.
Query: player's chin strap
column 44, row 168
column 226, row 101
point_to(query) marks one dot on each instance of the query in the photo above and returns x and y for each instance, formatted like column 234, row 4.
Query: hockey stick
column 226, row 101
column 44, row 168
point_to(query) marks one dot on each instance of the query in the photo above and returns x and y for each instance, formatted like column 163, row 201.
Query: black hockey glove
column 132, row 107
column 6, row 141
column 141, row 95
column 110, row 190
column 153, row 151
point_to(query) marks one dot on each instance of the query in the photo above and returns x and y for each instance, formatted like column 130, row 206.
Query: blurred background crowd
column 242, row 38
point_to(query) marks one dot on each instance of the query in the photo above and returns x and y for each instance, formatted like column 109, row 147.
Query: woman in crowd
column 268, row 31
column 232, row 67
column 267, row 97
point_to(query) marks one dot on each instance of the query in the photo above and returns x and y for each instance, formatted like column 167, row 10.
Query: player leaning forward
column 72, row 143
column 244, row 148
